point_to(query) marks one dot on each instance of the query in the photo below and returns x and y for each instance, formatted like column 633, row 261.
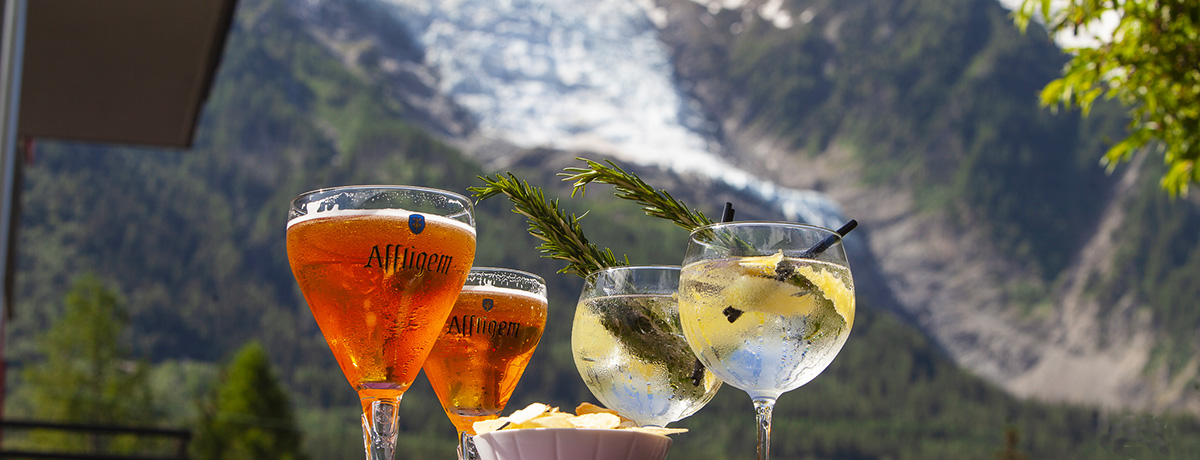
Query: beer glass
column 766, row 306
column 483, row 348
column 380, row 268
column 629, row 347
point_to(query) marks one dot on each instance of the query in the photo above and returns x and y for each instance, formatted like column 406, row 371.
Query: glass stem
column 762, row 413
column 380, row 428
column 466, row 447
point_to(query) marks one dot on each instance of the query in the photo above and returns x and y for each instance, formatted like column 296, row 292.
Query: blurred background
column 1016, row 298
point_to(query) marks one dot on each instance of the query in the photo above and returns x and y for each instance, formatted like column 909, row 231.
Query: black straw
column 829, row 240
column 698, row 369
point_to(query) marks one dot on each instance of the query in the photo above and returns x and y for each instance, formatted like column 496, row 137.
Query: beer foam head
column 399, row 214
column 506, row 291
column 503, row 279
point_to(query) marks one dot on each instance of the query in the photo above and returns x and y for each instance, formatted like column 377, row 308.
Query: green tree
column 1151, row 64
column 251, row 417
column 85, row 374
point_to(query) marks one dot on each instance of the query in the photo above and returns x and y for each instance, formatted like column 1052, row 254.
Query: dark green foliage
column 251, row 415
column 1149, row 66
column 83, row 373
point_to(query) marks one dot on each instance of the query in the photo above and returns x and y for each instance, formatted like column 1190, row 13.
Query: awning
column 123, row 71
column 133, row 72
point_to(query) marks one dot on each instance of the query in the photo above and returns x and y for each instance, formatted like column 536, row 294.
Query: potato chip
column 659, row 430
column 589, row 408
column 596, row 420
column 538, row 415
column 550, row 420
column 488, row 426
column 528, row 413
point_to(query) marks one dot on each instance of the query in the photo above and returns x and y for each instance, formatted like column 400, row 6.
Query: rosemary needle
column 561, row 235
column 656, row 203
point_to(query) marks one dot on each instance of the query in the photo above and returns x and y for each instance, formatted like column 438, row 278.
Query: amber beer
column 483, row 350
column 375, row 280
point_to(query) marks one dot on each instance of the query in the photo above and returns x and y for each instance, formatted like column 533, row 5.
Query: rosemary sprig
column 656, row 203
column 562, row 237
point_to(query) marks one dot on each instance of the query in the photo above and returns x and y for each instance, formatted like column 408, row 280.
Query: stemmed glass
column 766, row 306
column 380, row 268
column 483, row 348
column 629, row 347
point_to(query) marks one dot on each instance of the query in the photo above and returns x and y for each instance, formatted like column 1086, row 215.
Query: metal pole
column 12, row 54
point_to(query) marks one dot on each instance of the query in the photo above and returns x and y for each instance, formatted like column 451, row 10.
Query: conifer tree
column 85, row 374
column 251, row 415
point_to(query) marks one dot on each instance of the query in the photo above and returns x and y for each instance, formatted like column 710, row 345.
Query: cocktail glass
column 765, row 307
column 380, row 268
column 484, row 346
column 630, row 350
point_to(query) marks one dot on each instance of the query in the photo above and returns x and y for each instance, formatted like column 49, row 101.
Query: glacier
column 584, row 75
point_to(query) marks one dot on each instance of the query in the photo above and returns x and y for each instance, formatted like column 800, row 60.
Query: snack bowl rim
column 571, row 443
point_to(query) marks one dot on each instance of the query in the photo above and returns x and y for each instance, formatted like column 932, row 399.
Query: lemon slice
column 760, row 289
column 762, row 265
column 834, row 289
column 755, row 293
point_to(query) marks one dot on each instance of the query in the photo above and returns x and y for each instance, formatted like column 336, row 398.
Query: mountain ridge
column 971, row 314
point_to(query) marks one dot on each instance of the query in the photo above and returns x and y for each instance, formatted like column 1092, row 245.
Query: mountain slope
column 920, row 119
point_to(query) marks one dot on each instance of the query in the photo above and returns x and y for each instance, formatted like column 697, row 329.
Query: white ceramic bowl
column 571, row 444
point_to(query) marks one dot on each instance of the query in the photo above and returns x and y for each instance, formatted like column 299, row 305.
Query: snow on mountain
column 577, row 74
